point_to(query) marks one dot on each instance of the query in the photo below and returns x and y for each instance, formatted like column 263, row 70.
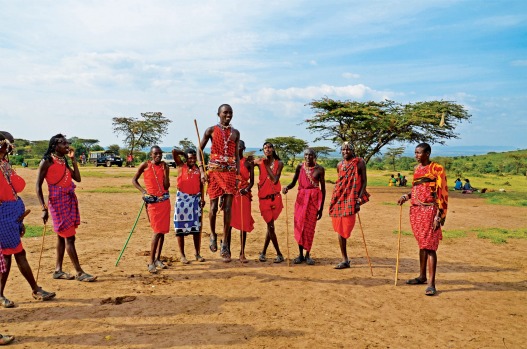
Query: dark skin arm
column 249, row 165
column 361, row 168
column 321, row 176
column 166, row 180
column 176, row 154
column 291, row 185
column 137, row 175
column 206, row 137
column 274, row 178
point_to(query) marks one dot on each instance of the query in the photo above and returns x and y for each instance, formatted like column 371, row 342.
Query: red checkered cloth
column 344, row 199
column 63, row 207
column 222, row 164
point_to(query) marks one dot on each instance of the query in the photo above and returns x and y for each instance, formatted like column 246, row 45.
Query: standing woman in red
column 269, row 196
column 429, row 200
column 242, row 218
column 62, row 203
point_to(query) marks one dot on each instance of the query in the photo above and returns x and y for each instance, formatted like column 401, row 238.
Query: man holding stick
column 223, row 170
column 429, row 200
column 309, row 203
column 349, row 193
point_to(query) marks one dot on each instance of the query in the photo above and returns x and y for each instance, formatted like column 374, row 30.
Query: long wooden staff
column 202, row 185
column 398, row 244
column 41, row 249
column 366, row 248
column 287, row 230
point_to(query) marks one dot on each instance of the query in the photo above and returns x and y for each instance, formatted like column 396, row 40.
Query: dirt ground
column 481, row 303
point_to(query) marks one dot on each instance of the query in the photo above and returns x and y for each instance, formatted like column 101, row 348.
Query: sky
column 71, row 66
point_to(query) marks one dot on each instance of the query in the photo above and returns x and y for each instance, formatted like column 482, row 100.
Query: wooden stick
column 41, row 249
column 287, row 230
column 131, row 232
column 398, row 244
column 366, row 248
column 202, row 185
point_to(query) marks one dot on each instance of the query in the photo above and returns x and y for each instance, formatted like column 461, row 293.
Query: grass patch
column 104, row 173
column 505, row 198
column 389, row 203
column 125, row 188
column 447, row 234
column 500, row 235
column 36, row 230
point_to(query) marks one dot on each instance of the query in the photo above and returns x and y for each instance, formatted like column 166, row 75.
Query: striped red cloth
column 2, row 262
column 346, row 192
column 63, row 207
column 307, row 205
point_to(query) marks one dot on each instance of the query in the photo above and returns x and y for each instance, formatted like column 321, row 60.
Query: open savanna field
column 481, row 281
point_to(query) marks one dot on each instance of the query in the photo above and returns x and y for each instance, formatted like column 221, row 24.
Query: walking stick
column 398, row 244
column 130, row 235
column 41, row 249
column 364, row 240
column 287, row 230
column 203, row 185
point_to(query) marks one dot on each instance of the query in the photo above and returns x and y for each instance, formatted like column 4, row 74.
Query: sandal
column 5, row 339
column 278, row 259
column 152, row 268
column 430, row 291
column 298, row 260
column 6, row 303
column 415, row 281
column 227, row 257
column 262, row 257
column 343, row 265
column 243, row 259
column 199, row 258
column 42, row 295
column 85, row 277
column 159, row 264
column 310, row 261
column 60, row 275
column 184, row 260
column 213, row 245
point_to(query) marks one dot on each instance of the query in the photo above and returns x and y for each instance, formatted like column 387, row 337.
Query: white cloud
column 351, row 75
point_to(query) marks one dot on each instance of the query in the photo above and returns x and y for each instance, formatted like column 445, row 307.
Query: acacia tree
column 141, row 132
column 288, row 147
column 370, row 126
column 393, row 154
column 322, row 151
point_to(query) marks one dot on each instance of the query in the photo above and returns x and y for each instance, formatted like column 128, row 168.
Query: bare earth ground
column 482, row 299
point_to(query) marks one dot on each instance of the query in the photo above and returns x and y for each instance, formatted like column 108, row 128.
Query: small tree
column 114, row 148
column 393, row 154
column 322, row 151
column 141, row 132
column 186, row 143
column 288, row 147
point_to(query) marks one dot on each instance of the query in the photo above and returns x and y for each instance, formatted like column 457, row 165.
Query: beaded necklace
column 309, row 173
column 192, row 171
column 59, row 159
column 223, row 130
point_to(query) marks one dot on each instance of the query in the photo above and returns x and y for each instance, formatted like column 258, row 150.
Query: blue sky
column 71, row 66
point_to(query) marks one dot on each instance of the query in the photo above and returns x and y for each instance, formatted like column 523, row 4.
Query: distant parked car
column 108, row 159
column 168, row 159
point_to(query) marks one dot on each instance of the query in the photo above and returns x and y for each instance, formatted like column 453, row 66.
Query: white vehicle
column 167, row 157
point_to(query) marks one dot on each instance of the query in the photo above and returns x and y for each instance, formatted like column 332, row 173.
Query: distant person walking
column 429, row 199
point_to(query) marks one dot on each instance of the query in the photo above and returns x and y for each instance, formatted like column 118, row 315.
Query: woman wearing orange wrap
column 270, row 200
column 223, row 167
column 157, row 198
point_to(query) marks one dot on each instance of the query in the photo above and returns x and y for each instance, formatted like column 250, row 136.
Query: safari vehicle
column 168, row 159
column 105, row 158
